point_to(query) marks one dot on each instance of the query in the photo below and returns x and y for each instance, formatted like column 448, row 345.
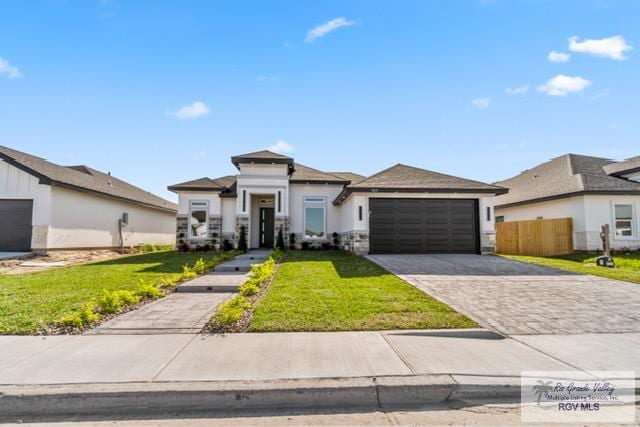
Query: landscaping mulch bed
column 58, row 329
column 243, row 324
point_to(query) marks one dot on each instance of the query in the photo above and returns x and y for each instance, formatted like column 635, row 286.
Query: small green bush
column 148, row 290
column 231, row 311
column 249, row 288
column 110, row 302
column 150, row 247
column 280, row 239
column 188, row 273
column 242, row 240
column 79, row 318
column 200, row 267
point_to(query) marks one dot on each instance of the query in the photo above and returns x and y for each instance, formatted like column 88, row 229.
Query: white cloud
column 558, row 56
column 517, row 90
column 281, row 147
column 9, row 70
column 610, row 47
column 324, row 29
column 191, row 111
column 562, row 85
column 267, row 78
column 481, row 103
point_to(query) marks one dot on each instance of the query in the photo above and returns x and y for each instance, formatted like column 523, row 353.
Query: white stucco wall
column 184, row 197
column 81, row 220
column 248, row 169
column 589, row 213
column 16, row 184
column 297, row 192
column 228, row 215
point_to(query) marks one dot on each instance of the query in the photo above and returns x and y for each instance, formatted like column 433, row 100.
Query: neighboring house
column 44, row 206
column 401, row 209
column 591, row 190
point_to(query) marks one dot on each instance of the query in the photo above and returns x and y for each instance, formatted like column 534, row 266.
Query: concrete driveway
column 516, row 298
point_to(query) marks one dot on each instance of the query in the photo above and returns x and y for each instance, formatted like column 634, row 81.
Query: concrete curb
column 37, row 402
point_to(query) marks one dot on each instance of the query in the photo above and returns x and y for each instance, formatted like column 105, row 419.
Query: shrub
column 326, row 245
column 336, row 240
column 112, row 301
column 231, row 311
column 148, row 290
column 280, row 240
column 187, row 272
column 292, row 241
column 304, row 246
column 242, row 239
column 227, row 245
column 200, row 267
column 276, row 254
column 77, row 319
column 249, row 288
column 150, row 247
column 184, row 247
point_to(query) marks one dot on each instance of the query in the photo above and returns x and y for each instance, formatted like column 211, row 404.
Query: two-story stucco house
column 401, row 209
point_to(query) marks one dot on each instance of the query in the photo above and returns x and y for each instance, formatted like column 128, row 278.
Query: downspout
column 120, row 225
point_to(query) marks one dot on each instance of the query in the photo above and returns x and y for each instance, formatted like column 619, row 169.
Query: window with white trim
column 623, row 220
column 198, row 219
column 315, row 217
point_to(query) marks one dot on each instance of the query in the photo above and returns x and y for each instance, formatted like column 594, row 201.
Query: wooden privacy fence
column 539, row 237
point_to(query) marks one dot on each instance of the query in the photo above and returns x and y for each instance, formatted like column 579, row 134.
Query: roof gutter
column 569, row 195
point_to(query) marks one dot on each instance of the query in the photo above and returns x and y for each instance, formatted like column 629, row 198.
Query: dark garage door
column 15, row 225
column 423, row 226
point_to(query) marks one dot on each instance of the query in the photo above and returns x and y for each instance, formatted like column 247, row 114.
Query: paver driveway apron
column 516, row 298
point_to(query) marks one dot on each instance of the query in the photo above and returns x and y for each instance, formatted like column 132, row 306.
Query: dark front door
column 15, row 225
column 266, row 227
column 424, row 226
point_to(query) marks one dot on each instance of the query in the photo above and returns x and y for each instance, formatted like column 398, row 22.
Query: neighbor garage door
column 423, row 226
column 15, row 225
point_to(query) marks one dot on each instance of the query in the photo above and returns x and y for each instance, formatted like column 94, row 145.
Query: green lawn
column 335, row 291
column 627, row 266
column 29, row 301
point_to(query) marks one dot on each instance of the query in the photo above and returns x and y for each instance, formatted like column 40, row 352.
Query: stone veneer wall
column 487, row 242
column 182, row 232
column 284, row 222
column 355, row 241
column 213, row 233
column 215, row 229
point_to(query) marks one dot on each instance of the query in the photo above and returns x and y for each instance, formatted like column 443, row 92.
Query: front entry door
column 266, row 227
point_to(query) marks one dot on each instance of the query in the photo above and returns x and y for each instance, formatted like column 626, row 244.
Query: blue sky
column 159, row 92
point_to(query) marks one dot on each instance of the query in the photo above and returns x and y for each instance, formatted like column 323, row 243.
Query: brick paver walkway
column 515, row 298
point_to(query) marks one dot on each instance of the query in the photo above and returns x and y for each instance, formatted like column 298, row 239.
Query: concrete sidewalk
column 63, row 376
column 270, row 356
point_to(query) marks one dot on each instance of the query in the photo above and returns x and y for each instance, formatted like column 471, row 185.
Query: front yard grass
column 627, row 266
column 31, row 301
column 336, row 291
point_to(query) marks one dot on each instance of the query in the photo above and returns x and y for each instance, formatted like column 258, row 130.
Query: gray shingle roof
column 205, row 183
column 620, row 168
column 304, row 173
column 83, row 178
column 408, row 177
column 264, row 154
column 564, row 176
column 403, row 178
column 349, row 176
